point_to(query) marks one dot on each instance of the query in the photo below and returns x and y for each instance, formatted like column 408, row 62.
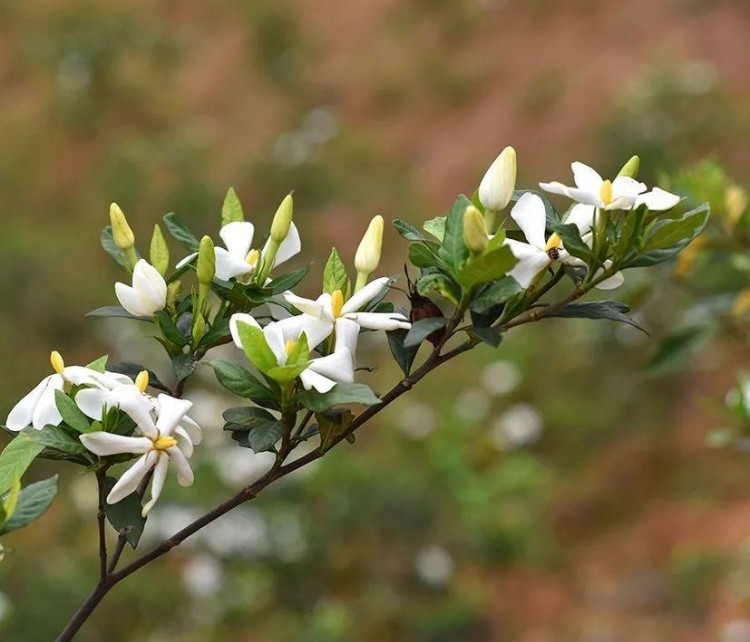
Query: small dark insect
column 553, row 253
column 423, row 308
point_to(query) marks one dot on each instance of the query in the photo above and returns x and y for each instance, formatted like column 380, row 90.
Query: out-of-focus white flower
column 203, row 576
column 519, row 425
column 148, row 293
column 417, row 420
column 500, row 377
column 39, row 409
column 157, row 448
column 434, row 566
column 472, row 404
column 623, row 193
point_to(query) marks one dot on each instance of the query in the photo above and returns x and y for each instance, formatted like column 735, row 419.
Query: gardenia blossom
column 238, row 259
column 39, row 408
column 321, row 315
column 130, row 397
column 157, row 447
column 623, row 193
column 322, row 373
column 540, row 252
column 148, row 294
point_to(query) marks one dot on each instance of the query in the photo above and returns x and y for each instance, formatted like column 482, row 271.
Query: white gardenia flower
column 130, row 397
column 322, row 373
column 499, row 181
column 39, row 408
column 148, row 294
column 623, row 193
column 157, row 447
column 540, row 252
column 238, row 259
column 320, row 315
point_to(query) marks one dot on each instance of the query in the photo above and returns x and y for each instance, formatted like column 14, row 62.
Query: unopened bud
column 141, row 381
column 630, row 169
column 368, row 253
column 282, row 220
column 735, row 201
column 121, row 232
column 475, row 231
column 498, row 183
column 206, row 268
column 57, row 362
column 199, row 328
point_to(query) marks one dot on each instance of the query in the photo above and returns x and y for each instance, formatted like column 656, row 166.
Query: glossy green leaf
column 487, row 267
column 243, row 383
column 71, row 413
column 404, row 356
column 256, row 348
column 125, row 516
column 574, row 244
column 100, row 364
column 57, row 438
column 453, row 249
column 180, row 232
column 110, row 247
column 611, row 310
column 33, row 501
column 288, row 280
column 334, row 274
column 340, row 395
column 421, row 329
column 497, row 293
column 436, row 227
column 16, row 458
column 408, row 231
column 114, row 311
column 231, row 210
column 422, row 256
column 158, row 251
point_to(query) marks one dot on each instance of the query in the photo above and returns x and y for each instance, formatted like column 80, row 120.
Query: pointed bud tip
column 475, row 230
column 367, row 258
column 57, row 362
column 141, row 381
column 121, row 232
column 282, row 220
column 631, row 168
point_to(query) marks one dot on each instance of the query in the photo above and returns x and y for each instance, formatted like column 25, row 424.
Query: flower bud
column 141, row 381
column 630, row 169
column 121, row 232
column 475, row 231
column 282, row 220
column 206, row 268
column 57, row 362
column 199, row 328
column 498, row 183
column 367, row 257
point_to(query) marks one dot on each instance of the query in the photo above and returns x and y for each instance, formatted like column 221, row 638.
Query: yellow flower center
column 57, row 362
column 554, row 242
column 289, row 346
column 605, row 192
column 141, row 381
column 337, row 302
column 252, row 258
column 163, row 443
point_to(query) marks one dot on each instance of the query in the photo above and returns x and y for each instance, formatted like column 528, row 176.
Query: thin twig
column 101, row 517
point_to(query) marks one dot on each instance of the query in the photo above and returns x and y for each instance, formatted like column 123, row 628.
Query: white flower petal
column 531, row 261
column 184, row 472
column 337, row 366
column 289, row 247
column 316, row 330
column 104, row 444
column 531, row 218
column 380, row 320
column 496, row 188
column 183, row 441
column 46, row 412
column 312, row 379
column 582, row 216
column 658, row 200
column 150, row 285
column 241, row 317
column 181, row 264
column 157, row 482
column 22, row 413
column 360, row 299
column 308, row 306
column 130, row 299
column 274, row 335
column 229, row 266
column 238, row 238
column 131, row 478
column 347, row 335
column 192, row 430
column 171, row 413
column 586, row 178
column 91, row 402
column 615, row 281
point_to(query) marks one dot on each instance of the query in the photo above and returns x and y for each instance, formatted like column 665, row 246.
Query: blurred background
column 556, row 489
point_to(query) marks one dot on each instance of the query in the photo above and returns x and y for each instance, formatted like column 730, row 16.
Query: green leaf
column 183, row 366
column 114, row 311
column 487, row 267
column 404, row 356
column 421, row 329
column 341, row 394
column 612, row 310
column 110, row 247
column 180, row 232
column 125, row 516
column 331, row 425
column 422, row 256
column 285, row 374
column 33, row 502
column 256, row 348
column 10, row 502
column 490, row 336
column 242, row 383
column 100, row 364
column 71, row 413
column 334, row 274
column 288, row 280
column 16, row 458
column 158, row 251
column 408, row 231
column 170, row 329
column 254, row 428
column 57, row 438
column 231, row 210
column 497, row 293
column 440, row 283
column 436, row 227
column 574, row 244
column 453, row 249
